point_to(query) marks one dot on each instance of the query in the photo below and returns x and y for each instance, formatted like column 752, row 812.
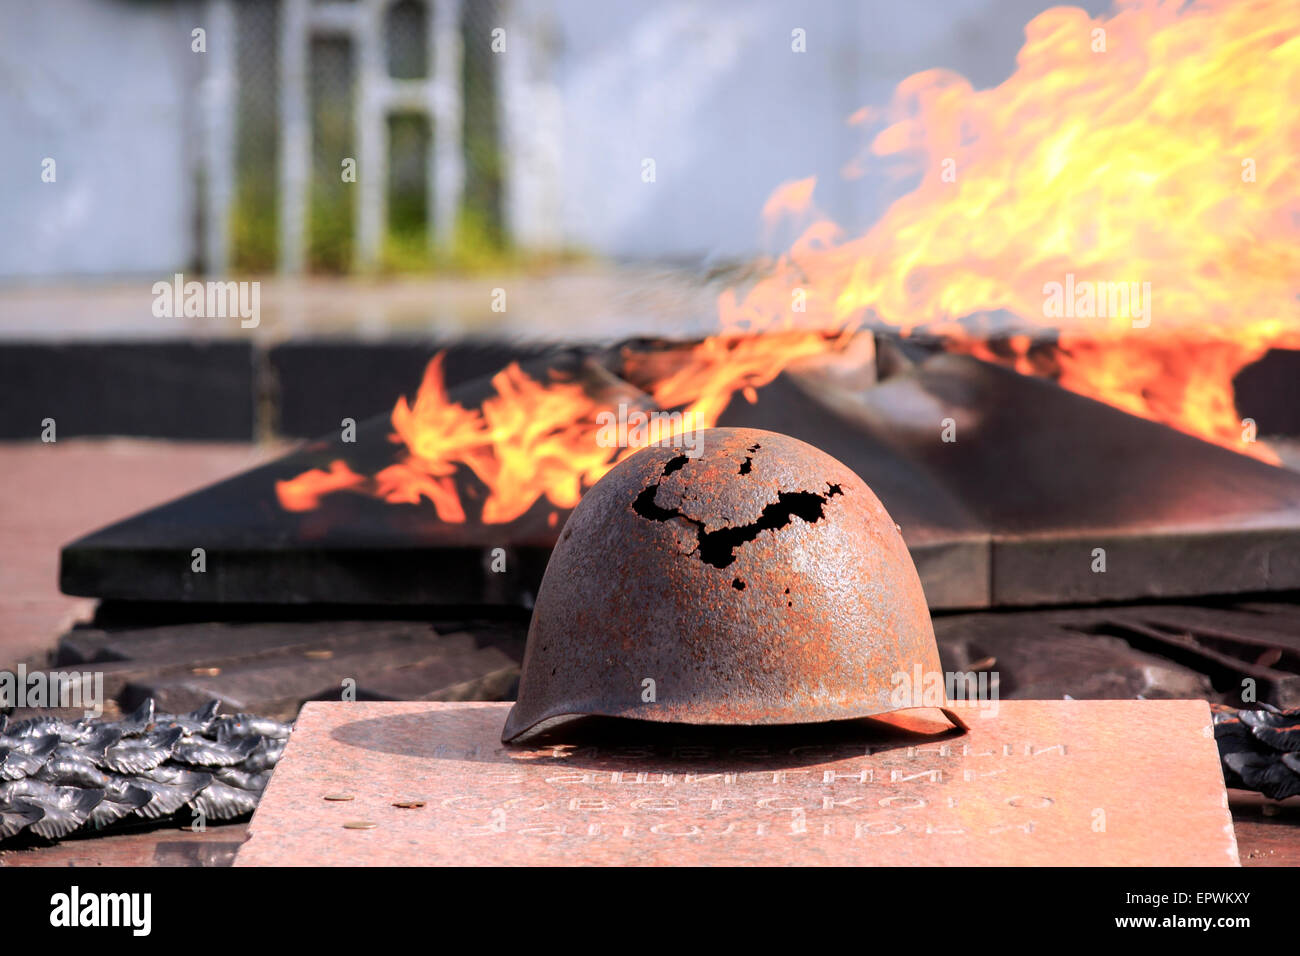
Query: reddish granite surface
column 53, row 493
column 1042, row 782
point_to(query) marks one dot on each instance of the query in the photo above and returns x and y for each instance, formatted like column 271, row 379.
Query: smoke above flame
column 1156, row 148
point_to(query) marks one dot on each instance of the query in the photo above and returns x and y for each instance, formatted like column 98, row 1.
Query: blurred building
column 476, row 125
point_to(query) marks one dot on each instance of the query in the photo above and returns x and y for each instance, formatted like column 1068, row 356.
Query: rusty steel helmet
column 759, row 582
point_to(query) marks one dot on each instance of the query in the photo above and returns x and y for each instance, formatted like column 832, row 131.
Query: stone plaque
column 1031, row 782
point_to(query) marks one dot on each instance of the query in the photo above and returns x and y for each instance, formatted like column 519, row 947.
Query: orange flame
column 1152, row 152
column 305, row 492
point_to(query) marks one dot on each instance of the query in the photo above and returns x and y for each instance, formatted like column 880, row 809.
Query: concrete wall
column 106, row 89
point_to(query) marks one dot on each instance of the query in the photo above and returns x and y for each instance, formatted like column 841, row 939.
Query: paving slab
column 196, row 391
column 1268, row 831
column 394, row 663
column 568, row 302
column 1039, row 783
column 49, row 492
column 271, row 667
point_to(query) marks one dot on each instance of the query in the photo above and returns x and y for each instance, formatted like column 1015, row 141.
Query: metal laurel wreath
column 58, row 777
column 1260, row 749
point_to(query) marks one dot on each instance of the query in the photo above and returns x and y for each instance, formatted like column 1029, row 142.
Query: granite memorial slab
column 1116, row 782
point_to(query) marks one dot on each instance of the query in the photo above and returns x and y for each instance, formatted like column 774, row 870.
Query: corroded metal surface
column 761, row 582
column 950, row 545
column 1104, row 782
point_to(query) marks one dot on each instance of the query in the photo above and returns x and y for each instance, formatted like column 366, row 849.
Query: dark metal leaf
column 1285, row 737
column 265, row 756
column 222, row 802
column 97, row 741
column 18, row 815
column 65, row 808
column 118, row 805
column 243, row 780
column 1269, row 716
column 167, row 798
column 138, row 754
column 40, row 746
column 138, row 722
column 72, row 770
column 1265, row 773
column 68, row 815
column 1233, row 736
column 250, row 725
column 16, row 764
column 195, row 722
column 205, row 753
column 45, row 726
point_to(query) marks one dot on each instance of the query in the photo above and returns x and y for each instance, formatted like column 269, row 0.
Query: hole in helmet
column 718, row 548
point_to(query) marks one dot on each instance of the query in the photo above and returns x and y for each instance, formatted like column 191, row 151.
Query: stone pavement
column 571, row 303
column 53, row 493
column 166, row 846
